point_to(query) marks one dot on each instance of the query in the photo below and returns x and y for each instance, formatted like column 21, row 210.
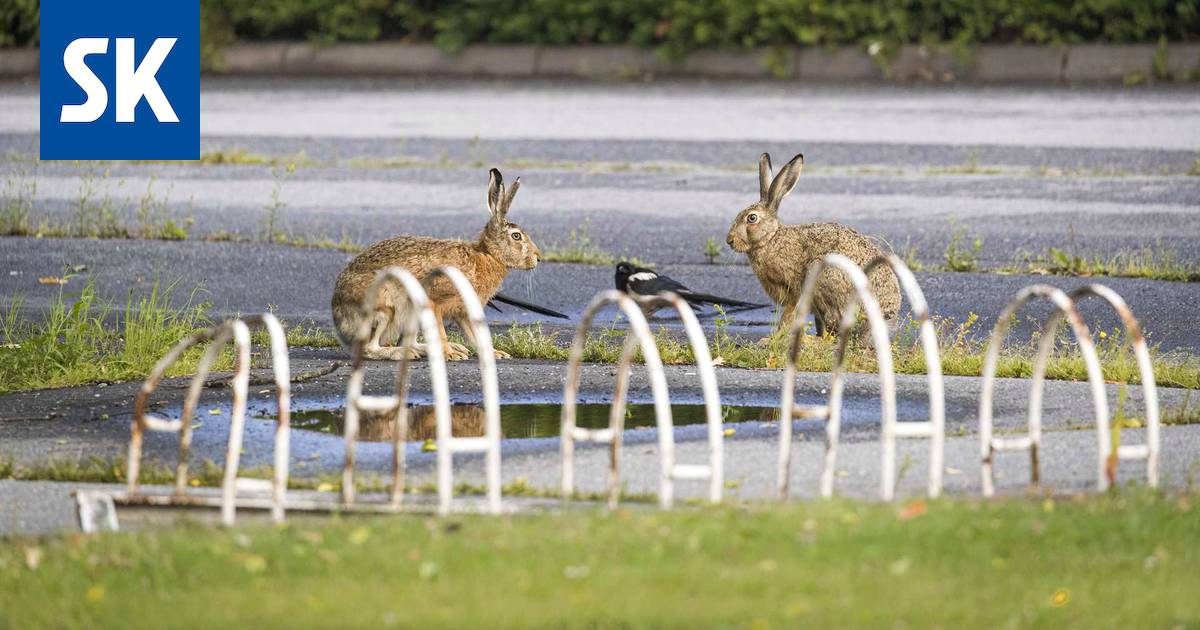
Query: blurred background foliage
column 674, row 27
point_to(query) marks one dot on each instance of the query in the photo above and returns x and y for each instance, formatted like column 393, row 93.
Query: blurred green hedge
column 675, row 27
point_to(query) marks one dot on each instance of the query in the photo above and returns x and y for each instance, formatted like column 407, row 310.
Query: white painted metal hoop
column 1133, row 330
column 569, row 433
column 1064, row 306
column 832, row 412
column 715, row 470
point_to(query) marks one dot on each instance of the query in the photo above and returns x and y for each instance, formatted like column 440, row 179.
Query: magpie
column 540, row 310
column 641, row 282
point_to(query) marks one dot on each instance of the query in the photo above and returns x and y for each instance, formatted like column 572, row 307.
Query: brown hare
column 500, row 247
column 780, row 254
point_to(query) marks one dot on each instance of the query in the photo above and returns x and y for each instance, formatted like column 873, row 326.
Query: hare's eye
column 516, row 236
column 752, row 218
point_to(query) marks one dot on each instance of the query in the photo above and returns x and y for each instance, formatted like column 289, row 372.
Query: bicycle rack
column 357, row 402
column 832, row 411
column 989, row 445
column 237, row 331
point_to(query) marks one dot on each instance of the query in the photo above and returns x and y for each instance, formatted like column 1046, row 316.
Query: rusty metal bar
column 863, row 298
column 1064, row 307
column 420, row 318
column 1133, row 330
column 643, row 338
column 236, row 331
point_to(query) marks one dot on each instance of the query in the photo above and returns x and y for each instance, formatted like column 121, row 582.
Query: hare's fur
column 501, row 246
column 780, row 254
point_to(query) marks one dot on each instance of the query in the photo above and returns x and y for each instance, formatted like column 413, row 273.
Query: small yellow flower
column 1103, row 335
column 1061, row 597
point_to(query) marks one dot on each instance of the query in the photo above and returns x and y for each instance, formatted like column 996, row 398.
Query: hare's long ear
column 784, row 182
column 764, row 176
column 495, row 191
column 507, row 199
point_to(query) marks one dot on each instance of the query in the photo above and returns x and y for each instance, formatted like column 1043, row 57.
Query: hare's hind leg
column 388, row 328
column 464, row 324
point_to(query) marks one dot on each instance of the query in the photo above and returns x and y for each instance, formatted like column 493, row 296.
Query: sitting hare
column 500, row 247
column 780, row 254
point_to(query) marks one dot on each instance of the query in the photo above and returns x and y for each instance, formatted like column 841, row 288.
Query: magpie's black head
column 624, row 270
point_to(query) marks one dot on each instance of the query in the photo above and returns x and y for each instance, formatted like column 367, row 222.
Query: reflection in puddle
column 516, row 421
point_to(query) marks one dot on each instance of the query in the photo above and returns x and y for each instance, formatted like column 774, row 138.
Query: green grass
column 1154, row 263
column 75, row 342
column 962, row 352
column 1121, row 560
column 579, row 249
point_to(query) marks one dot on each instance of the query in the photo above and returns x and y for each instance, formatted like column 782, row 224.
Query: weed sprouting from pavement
column 578, row 248
column 959, row 256
column 16, row 207
column 270, row 222
column 712, row 250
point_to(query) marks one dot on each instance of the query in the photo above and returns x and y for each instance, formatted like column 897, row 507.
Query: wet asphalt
column 650, row 171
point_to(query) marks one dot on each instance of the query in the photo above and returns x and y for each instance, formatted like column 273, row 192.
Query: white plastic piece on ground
column 238, row 332
column 887, row 379
column 639, row 336
column 97, row 512
column 421, row 317
column 1064, row 306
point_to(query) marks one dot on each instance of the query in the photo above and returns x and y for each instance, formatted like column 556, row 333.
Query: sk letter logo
column 120, row 80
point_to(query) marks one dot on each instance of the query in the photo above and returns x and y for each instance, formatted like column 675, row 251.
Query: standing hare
column 500, row 247
column 780, row 254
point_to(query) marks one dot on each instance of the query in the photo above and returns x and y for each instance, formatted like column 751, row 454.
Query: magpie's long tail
column 533, row 308
column 704, row 298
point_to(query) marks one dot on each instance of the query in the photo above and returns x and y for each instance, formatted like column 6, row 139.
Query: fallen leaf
column 912, row 510
column 429, row 446
column 953, row 471
column 52, row 280
column 1060, row 598
column 729, row 432
column 214, row 412
column 324, row 487
column 718, row 362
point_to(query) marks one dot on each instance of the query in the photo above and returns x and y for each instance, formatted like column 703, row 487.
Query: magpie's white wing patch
column 643, row 276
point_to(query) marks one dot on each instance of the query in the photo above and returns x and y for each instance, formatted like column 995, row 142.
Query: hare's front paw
column 456, row 352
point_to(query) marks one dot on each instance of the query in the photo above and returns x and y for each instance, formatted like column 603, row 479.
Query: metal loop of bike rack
column 1133, row 330
column 989, row 445
column 1066, row 306
column 639, row 335
column 714, row 471
column 237, row 331
column 356, row 402
column 832, row 411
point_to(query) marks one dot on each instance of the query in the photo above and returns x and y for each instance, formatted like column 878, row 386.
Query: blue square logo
column 120, row 80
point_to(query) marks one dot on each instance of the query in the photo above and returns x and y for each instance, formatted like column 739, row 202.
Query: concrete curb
column 1018, row 63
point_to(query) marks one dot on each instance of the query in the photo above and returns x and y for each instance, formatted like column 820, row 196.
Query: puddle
column 516, row 420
